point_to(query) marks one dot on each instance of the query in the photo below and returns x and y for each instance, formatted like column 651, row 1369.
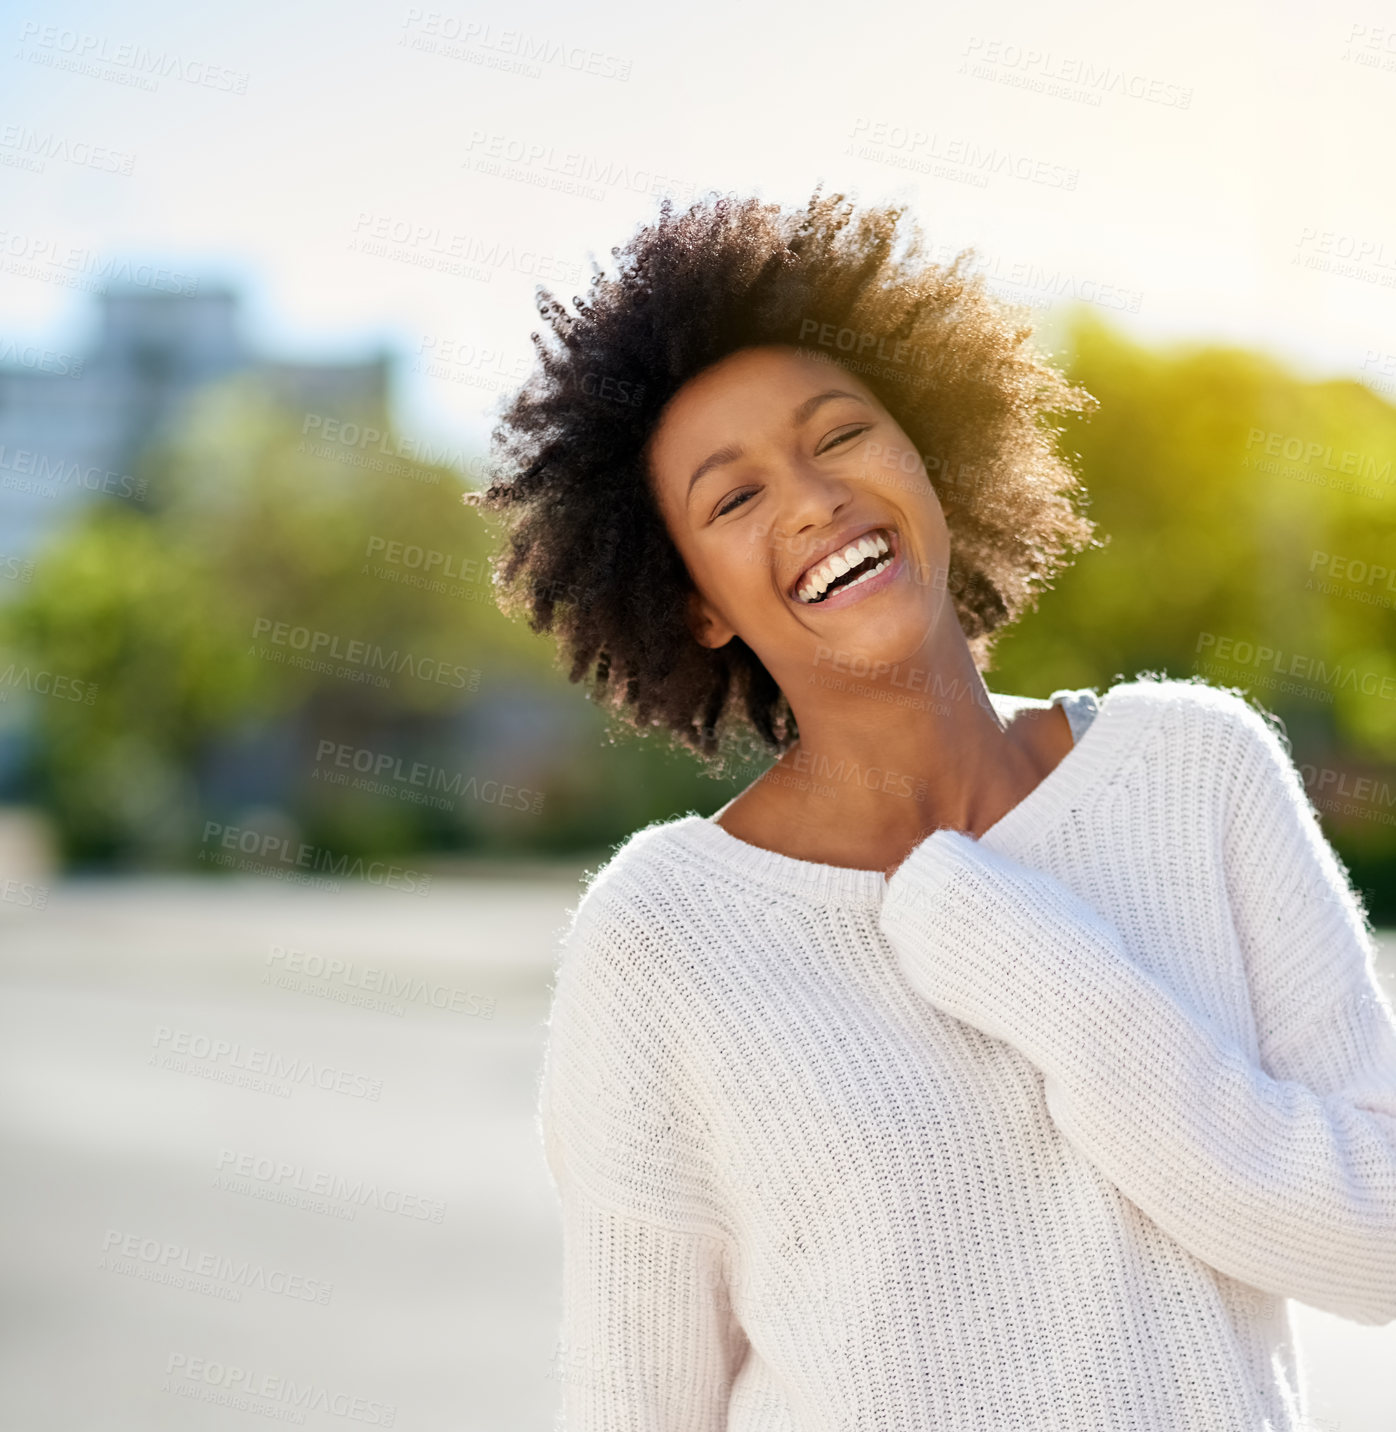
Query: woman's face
column 766, row 465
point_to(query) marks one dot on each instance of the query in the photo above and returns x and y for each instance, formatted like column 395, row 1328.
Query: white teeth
column 838, row 564
column 863, row 576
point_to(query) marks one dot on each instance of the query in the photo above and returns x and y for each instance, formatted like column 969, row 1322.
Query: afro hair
column 587, row 556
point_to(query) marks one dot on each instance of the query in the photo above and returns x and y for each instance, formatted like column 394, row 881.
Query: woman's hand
column 971, row 927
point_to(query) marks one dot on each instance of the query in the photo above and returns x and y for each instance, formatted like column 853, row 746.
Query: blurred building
column 73, row 424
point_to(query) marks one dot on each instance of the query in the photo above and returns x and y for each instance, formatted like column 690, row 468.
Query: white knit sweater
column 1039, row 1134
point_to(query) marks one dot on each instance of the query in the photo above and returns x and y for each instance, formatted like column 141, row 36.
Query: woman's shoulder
column 1216, row 737
column 1150, row 701
column 644, row 865
column 644, row 906
column 1190, row 700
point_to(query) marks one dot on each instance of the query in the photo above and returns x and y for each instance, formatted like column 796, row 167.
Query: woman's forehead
column 764, row 387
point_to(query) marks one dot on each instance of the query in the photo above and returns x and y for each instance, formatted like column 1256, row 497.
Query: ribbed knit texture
column 1039, row 1134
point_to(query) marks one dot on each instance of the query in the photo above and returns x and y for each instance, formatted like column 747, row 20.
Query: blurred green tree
column 1249, row 519
column 256, row 585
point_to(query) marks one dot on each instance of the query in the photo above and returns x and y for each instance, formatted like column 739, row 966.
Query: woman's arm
column 648, row 1341
column 1308, row 947
column 1287, row 1186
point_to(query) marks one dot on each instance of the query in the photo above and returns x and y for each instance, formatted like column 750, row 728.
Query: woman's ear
column 708, row 627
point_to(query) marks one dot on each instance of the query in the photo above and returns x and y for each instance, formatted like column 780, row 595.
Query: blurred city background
column 261, row 287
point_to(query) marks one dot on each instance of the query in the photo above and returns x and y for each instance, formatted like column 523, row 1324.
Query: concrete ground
column 376, row 1223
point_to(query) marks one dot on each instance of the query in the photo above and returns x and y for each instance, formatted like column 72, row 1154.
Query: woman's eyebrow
column 723, row 455
column 808, row 408
column 732, row 451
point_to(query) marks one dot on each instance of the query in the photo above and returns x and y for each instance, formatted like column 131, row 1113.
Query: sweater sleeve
column 1287, row 1187
column 1310, row 953
column 648, row 1341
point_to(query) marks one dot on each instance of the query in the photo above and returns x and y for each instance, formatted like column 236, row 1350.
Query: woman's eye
column 735, row 501
column 845, row 437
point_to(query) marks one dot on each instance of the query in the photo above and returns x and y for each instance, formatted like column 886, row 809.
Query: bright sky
column 336, row 158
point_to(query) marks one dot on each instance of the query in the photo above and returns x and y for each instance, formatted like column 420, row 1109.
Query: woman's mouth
column 856, row 570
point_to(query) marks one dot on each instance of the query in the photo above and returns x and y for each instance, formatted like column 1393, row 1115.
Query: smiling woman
column 987, row 1063
column 589, row 557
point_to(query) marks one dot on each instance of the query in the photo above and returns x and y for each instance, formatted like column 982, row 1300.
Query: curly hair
column 588, row 556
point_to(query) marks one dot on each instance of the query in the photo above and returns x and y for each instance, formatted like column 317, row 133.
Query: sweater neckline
column 1011, row 834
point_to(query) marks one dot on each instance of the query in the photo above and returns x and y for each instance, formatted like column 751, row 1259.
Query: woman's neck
column 865, row 803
